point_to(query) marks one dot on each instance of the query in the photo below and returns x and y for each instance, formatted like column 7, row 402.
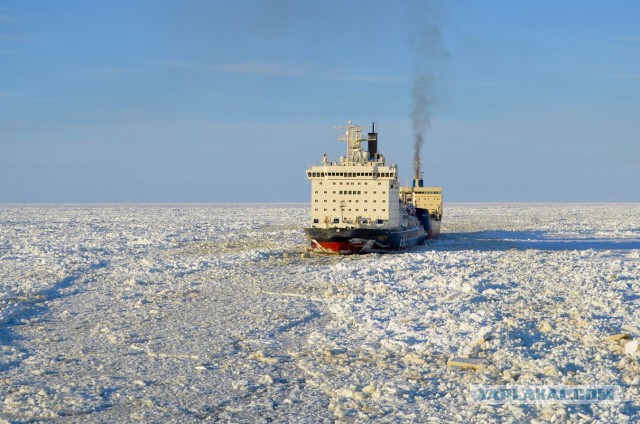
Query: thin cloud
column 9, row 94
column 623, row 76
column 7, row 18
column 604, row 74
column 281, row 70
column 630, row 38
column 13, row 37
column 117, row 71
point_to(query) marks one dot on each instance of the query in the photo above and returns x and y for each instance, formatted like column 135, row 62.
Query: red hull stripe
column 346, row 247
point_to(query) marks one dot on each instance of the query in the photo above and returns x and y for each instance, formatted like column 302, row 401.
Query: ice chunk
column 631, row 347
column 466, row 363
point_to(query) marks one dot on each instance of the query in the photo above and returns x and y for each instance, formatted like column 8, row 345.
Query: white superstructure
column 359, row 191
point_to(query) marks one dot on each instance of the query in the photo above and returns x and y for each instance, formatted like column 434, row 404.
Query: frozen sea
column 189, row 313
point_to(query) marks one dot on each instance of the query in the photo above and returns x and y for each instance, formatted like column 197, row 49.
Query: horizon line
column 18, row 204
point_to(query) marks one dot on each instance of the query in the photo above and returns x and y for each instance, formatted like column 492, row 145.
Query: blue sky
column 227, row 101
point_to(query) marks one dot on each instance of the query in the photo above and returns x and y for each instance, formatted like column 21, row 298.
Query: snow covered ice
column 184, row 313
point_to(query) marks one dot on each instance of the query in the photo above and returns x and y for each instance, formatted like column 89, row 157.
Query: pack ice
column 185, row 313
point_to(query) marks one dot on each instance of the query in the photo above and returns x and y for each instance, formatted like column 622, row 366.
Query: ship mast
column 353, row 137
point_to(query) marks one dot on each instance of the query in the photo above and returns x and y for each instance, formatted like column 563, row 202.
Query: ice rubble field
column 184, row 313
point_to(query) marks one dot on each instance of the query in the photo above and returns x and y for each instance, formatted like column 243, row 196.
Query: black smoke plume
column 429, row 51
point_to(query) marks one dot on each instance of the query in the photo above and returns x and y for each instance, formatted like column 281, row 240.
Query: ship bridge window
column 315, row 220
column 380, row 221
column 336, row 220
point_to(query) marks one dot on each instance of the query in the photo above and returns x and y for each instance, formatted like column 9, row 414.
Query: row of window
column 350, row 192
column 337, row 221
column 365, row 201
column 357, row 210
column 352, row 174
column 352, row 183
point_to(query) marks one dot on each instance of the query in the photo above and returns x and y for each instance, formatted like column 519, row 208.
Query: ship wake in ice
column 191, row 313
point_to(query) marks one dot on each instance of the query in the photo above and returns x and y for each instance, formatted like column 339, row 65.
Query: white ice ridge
column 187, row 313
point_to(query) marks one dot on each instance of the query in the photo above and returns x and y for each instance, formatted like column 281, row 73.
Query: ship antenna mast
column 353, row 137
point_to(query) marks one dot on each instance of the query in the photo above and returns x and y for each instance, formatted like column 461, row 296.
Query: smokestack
column 417, row 175
column 373, row 142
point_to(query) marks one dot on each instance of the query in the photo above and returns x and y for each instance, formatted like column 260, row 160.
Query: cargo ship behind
column 358, row 206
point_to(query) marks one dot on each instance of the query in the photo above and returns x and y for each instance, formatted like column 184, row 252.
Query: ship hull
column 434, row 229
column 345, row 241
